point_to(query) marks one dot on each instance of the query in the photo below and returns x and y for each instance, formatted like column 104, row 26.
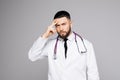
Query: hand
column 50, row 30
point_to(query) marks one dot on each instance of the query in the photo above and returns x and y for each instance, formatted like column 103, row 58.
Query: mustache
column 63, row 31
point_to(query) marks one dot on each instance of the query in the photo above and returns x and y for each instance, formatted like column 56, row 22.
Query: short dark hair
column 62, row 13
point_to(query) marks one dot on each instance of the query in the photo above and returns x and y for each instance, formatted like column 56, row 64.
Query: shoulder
column 84, row 40
column 52, row 40
column 87, row 41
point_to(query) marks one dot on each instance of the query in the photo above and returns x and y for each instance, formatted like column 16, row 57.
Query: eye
column 63, row 23
column 57, row 25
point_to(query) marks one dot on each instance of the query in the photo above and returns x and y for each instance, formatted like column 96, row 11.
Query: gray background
column 23, row 21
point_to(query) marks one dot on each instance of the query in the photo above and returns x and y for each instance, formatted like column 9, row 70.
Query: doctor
column 70, row 56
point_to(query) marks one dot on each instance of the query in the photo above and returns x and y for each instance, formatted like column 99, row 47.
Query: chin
column 63, row 36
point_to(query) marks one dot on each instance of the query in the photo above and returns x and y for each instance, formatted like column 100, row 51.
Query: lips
column 62, row 32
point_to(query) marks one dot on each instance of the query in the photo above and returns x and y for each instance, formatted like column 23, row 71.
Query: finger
column 54, row 22
column 54, row 31
column 52, row 25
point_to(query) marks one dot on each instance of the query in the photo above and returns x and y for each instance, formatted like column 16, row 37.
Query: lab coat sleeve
column 92, row 70
column 38, row 51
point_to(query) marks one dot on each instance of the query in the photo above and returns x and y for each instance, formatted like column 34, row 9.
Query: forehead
column 61, row 20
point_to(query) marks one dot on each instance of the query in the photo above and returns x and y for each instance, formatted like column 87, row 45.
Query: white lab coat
column 76, row 66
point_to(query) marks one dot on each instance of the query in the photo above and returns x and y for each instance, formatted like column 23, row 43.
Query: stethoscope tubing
column 55, row 48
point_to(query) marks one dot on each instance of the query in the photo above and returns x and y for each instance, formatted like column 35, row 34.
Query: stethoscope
column 55, row 48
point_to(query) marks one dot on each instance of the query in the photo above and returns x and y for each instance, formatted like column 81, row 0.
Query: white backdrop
column 23, row 21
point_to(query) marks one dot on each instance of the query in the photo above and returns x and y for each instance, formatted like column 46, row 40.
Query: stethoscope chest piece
column 54, row 57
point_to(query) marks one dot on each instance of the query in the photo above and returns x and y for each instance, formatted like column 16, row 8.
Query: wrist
column 44, row 35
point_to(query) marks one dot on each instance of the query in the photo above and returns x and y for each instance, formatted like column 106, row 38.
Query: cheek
column 67, row 27
column 57, row 29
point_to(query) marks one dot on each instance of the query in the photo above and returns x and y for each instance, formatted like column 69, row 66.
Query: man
column 70, row 56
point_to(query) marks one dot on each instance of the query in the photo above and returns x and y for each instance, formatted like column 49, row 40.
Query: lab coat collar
column 71, row 36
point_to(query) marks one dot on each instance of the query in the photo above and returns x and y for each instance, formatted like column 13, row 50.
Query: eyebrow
column 60, row 24
column 57, row 24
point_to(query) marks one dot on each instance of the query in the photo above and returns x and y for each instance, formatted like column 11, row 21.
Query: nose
column 61, row 27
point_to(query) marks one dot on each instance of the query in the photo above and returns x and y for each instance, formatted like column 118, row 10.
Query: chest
column 74, row 58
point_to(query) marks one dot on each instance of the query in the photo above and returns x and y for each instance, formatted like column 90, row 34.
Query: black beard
column 68, row 33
